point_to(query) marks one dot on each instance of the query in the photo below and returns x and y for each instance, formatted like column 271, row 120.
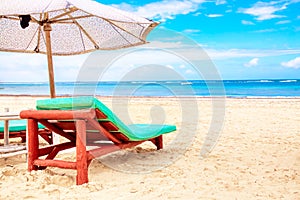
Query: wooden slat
column 96, row 136
column 55, row 163
column 100, row 115
column 102, row 130
column 120, row 136
column 108, row 126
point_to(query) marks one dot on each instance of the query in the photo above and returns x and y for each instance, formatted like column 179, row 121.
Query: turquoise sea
column 282, row 88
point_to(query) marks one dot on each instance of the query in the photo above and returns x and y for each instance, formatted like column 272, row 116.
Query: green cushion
column 16, row 125
column 135, row 132
column 146, row 131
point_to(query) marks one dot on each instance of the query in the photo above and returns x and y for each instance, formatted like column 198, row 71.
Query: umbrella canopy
column 67, row 27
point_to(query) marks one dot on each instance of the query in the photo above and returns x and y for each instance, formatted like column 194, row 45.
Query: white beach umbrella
column 67, row 27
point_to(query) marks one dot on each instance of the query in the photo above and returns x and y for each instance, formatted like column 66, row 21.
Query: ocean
column 282, row 88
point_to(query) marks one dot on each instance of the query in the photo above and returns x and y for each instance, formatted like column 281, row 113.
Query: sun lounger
column 17, row 129
column 83, row 121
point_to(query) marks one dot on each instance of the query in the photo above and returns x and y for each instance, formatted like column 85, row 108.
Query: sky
column 243, row 39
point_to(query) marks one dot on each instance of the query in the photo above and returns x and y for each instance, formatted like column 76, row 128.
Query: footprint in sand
column 9, row 172
column 65, row 181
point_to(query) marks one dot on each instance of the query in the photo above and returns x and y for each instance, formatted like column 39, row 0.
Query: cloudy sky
column 244, row 39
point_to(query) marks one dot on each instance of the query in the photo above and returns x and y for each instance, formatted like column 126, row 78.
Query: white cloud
column 169, row 66
column 192, row 52
column 245, row 22
column 214, row 15
column 189, row 71
column 166, row 44
column 252, row 63
column 220, row 2
column 295, row 63
column 169, row 53
column 163, row 10
column 197, row 14
column 243, row 53
column 136, row 62
column 294, row 1
column 265, row 10
column 270, row 30
column 284, row 22
column 124, row 6
column 192, row 31
column 218, row 54
column 33, row 67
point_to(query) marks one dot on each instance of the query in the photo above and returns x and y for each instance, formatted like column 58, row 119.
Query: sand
column 256, row 155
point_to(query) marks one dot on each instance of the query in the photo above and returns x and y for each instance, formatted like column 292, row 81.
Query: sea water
column 282, row 88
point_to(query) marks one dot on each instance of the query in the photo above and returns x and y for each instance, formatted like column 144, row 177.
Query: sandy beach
column 256, row 156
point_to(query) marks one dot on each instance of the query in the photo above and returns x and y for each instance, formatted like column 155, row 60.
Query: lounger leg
column 33, row 143
column 158, row 141
column 81, row 154
column 23, row 139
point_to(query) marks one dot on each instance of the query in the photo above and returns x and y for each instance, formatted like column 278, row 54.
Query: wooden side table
column 6, row 117
column 7, row 148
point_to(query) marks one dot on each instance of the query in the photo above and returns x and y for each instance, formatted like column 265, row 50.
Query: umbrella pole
column 47, row 30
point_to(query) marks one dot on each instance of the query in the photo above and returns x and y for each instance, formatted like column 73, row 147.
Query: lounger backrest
column 77, row 103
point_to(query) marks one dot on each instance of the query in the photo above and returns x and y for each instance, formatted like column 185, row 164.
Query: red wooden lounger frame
column 74, row 125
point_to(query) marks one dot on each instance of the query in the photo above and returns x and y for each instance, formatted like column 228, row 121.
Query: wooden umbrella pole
column 47, row 30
